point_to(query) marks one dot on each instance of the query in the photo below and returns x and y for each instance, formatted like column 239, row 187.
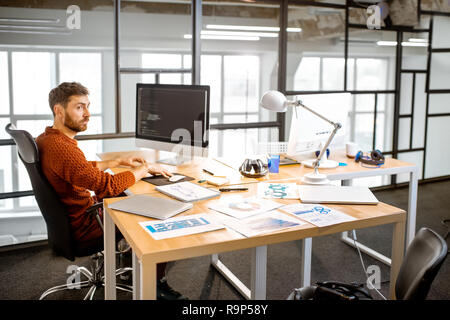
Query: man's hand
column 141, row 171
column 155, row 169
column 131, row 162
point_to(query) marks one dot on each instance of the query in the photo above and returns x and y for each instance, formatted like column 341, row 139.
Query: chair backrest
column 55, row 214
column 422, row 261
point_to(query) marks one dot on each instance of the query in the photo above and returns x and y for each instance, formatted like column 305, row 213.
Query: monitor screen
column 163, row 111
column 308, row 131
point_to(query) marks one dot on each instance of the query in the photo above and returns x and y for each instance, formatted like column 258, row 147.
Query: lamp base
column 324, row 164
column 315, row 178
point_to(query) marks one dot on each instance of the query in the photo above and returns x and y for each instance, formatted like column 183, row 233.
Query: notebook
column 187, row 191
column 152, row 207
column 336, row 194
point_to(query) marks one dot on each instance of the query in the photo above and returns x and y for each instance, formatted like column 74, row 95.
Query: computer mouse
column 176, row 178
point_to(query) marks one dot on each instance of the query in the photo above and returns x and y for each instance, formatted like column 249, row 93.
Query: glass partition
column 315, row 48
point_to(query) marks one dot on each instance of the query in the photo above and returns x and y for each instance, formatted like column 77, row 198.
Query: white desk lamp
column 276, row 101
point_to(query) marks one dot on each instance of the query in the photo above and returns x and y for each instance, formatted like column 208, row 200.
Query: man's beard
column 75, row 126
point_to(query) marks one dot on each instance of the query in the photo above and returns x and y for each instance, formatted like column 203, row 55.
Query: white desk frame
column 411, row 213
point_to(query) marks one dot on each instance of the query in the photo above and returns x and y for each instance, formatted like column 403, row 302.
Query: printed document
column 187, row 191
column 261, row 223
column 240, row 208
column 316, row 214
column 278, row 190
column 181, row 226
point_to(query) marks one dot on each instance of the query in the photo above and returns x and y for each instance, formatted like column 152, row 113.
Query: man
column 73, row 177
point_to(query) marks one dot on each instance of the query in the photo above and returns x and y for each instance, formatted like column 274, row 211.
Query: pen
column 208, row 172
column 232, row 189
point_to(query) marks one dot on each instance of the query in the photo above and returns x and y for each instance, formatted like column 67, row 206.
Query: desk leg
column 109, row 239
column 412, row 208
column 136, row 277
column 148, row 280
column 398, row 247
column 347, row 240
column 306, row 262
column 259, row 273
column 345, row 183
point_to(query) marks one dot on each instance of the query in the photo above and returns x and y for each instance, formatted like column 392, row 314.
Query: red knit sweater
column 72, row 176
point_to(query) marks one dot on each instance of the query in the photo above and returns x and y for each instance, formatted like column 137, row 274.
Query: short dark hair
column 62, row 93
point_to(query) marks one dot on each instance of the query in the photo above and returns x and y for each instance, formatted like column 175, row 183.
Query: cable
column 364, row 267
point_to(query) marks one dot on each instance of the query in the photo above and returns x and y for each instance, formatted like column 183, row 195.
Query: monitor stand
column 176, row 160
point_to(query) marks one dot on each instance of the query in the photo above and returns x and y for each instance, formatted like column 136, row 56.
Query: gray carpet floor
column 26, row 273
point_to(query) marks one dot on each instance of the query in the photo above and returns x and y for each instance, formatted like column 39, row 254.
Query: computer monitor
column 309, row 133
column 173, row 118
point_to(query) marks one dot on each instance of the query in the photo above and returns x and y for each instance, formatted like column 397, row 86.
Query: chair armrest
column 94, row 210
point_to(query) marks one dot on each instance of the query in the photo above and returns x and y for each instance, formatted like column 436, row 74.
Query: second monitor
column 173, row 118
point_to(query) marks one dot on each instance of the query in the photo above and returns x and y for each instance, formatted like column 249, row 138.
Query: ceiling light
column 239, row 33
column 223, row 37
column 39, row 28
column 36, row 32
column 249, row 28
column 387, row 43
column 418, row 40
column 29, row 20
column 404, row 44
column 415, row 44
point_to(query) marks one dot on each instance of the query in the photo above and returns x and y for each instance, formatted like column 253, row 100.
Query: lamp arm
column 300, row 104
column 336, row 126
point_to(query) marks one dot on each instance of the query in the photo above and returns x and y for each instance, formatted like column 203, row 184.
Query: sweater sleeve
column 71, row 165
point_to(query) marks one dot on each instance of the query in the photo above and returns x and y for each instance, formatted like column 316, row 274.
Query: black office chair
column 423, row 259
column 57, row 220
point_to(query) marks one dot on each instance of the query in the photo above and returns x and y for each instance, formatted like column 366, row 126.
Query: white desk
column 147, row 252
column 293, row 172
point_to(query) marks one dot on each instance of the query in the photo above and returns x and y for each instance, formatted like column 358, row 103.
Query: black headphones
column 253, row 168
column 376, row 158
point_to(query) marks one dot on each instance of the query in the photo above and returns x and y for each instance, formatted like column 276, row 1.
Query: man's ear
column 59, row 110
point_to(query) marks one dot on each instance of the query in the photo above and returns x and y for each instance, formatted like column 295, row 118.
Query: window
column 32, row 80
column 333, row 73
column 307, row 76
column 241, row 84
column 162, row 61
column 85, row 68
column 371, row 74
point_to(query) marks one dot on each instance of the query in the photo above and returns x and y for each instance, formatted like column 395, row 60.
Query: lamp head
column 274, row 101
